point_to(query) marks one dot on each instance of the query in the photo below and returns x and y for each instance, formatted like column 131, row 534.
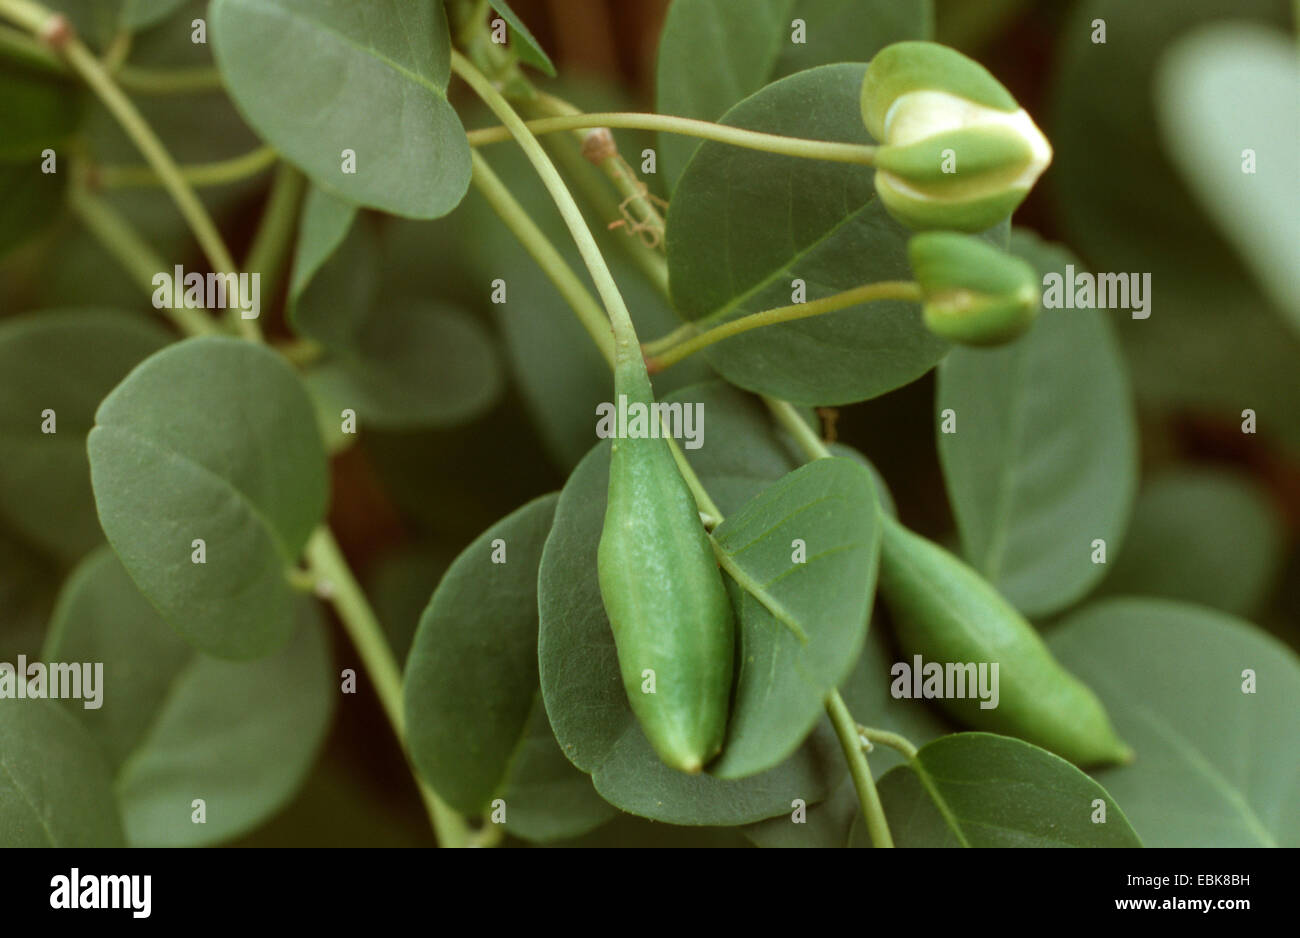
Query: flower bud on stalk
column 957, row 151
column 971, row 292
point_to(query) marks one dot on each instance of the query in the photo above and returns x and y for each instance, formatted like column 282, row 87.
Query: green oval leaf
column 1210, row 109
column 55, row 787
column 400, row 363
column 1212, row 341
column 802, row 621
column 524, row 44
column 588, row 707
column 177, row 725
column 744, row 224
column 1216, row 766
column 713, row 53
column 317, row 77
column 477, row 728
column 1044, row 457
column 983, row 790
column 325, row 222
column 211, row 439
column 64, row 361
column 1203, row 535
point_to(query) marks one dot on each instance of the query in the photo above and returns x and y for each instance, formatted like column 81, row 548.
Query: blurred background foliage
column 1218, row 510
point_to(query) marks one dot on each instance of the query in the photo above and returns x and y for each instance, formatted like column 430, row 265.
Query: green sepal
column 922, row 214
column 984, row 159
column 972, row 293
column 926, row 66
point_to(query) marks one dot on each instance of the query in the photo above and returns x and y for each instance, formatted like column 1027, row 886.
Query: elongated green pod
column 663, row 592
column 946, row 613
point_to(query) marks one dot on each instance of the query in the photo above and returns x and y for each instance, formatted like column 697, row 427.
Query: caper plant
column 681, row 624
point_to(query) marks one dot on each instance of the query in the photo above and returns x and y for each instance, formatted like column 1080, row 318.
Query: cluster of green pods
column 668, row 607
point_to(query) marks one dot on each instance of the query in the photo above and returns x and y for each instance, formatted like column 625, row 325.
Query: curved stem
column 142, row 135
column 115, row 53
column 703, row 501
column 55, row 29
column 140, row 260
column 787, row 416
column 327, row 563
column 869, row 799
column 576, row 163
column 676, row 337
column 142, row 80
column 625, row 340
column 135, row 78
column 544, row 253
column 885, row 290
column 720, row 133
column 15, row 44
column 886, row 738
column 218, row 173
column 269, row 252
column 300, row 352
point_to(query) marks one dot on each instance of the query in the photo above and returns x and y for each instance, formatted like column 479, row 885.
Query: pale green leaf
column 177, row 725
column 1218, row 763
column 983, row 790
column 212, row 439
column 1044, row 459
column 65, row 361
column 476, row 725
column 802, row 620
column 316, row 78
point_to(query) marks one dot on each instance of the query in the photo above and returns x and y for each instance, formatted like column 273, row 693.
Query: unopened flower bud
column 971, row 292
column 957, row 151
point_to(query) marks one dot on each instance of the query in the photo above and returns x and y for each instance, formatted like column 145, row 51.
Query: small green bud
column 957, row 151
column 971, row 292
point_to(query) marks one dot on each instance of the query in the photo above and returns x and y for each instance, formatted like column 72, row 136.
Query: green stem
column 300, row 352
column 579, row 168
column 191, row 208
column 140, row 260
column 544, row 253
column 676, row 337
column 720, row 133
column 847, row 730
column 54, row 28
column 627, row 350
column 159, row 81
column 599, row 148
column 115, row 53
column 886, row 738
column 15, row 44
column 788, row 416
column 703, row 502
column 885, row 290
column 135, row 78
column 327, row 563
column 269, row 252
column 219, row 173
